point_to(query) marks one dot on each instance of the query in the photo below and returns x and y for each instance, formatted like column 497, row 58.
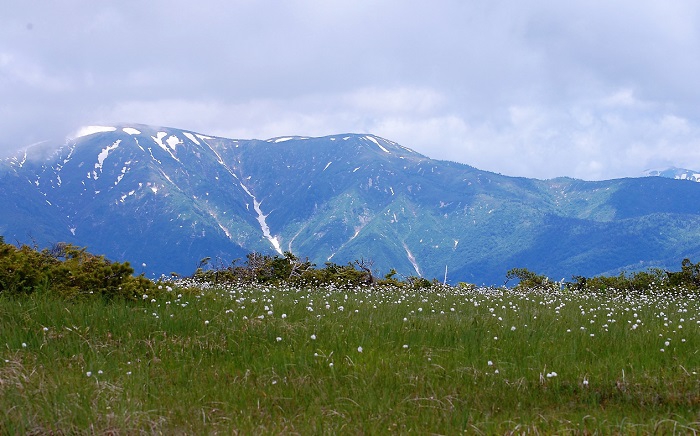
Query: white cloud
column 590, row 89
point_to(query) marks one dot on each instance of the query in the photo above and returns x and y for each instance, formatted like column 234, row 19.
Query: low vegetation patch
column 195, row 356
column 67, row 271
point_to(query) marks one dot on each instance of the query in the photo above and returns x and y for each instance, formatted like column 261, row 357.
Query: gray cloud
column 589, row 89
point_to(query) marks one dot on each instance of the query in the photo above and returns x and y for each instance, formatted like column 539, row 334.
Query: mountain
column 164, row 198
column 675, row 173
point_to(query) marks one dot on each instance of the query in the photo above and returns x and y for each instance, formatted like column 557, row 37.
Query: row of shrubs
column 653, row 279
column 290, row 269
column 72, row 272
column 68, row 271
column 262, row 268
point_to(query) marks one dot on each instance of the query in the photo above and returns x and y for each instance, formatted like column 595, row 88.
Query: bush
column 68, row 271
column 687, row 279
column 260, row 268
column 530, row 280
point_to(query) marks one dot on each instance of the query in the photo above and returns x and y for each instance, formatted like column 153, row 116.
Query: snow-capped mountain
column 164, row 198
column 674, row 173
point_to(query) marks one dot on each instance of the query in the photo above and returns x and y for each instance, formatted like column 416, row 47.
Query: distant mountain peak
column 674, row 173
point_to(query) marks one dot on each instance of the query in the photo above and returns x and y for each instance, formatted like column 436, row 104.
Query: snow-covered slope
column 675, row 173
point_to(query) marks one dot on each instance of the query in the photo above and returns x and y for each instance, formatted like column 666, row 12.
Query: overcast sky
column 592, row 89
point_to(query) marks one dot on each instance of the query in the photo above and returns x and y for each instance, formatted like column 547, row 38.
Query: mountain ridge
column 674, row 173
column 167, row 197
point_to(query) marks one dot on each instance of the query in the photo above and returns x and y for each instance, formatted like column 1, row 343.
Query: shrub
column 69, row 271
column 654, row 279
column 530, row 280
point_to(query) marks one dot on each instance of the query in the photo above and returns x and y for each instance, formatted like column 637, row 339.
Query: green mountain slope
column 166, row 198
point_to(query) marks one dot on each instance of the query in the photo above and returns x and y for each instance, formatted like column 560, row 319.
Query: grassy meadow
column 327, row 360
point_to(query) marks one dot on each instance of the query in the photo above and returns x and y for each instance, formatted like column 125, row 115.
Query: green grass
column 449, row 360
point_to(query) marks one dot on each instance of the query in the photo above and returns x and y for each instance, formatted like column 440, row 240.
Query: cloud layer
column 588, row 89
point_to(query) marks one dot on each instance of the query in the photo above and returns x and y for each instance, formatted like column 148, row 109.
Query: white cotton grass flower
column 489, row 363
column 551, row 374
column 89, row 373
column 405, row 346
column 278, row 339
column 24, row 345
column 313, row 337
column 359, row 349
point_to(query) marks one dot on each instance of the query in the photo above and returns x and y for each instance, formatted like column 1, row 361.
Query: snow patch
column 221, row 161
column 224, row 229
column 326, row 167
column 261, row 220
column 378, row 144
column 131, row 131
column 283, row 139
column 102, row 156
column 159, row 140
column 130, row 193
column 23, row 161
column 91, row 130
column 191, row 137
column 173, row 141
column 203, row 137
column 121, row 176
column 412, row 259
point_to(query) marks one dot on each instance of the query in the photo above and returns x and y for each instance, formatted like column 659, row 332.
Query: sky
column 592, row 89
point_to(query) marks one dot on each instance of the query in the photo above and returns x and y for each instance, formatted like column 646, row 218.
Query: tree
column 528, row 279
